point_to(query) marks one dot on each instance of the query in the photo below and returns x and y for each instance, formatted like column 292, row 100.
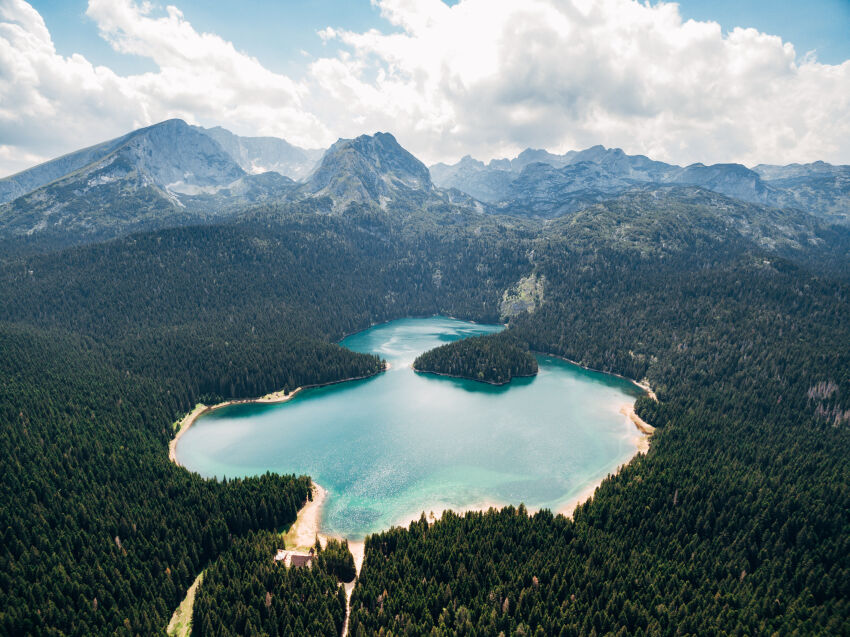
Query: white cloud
column 486, row 77
column 491, row 77
column 50, row 104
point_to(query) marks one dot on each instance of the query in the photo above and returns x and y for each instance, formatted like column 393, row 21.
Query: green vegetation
column 495, row 358
column 336, row 559
column 246, row 592
column 735, row 521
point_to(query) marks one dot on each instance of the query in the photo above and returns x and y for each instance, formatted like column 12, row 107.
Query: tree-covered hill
column 490, row 359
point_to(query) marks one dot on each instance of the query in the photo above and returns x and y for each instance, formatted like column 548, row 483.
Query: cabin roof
column 294, row 558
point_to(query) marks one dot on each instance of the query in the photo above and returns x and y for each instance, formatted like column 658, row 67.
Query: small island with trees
column 494, row 359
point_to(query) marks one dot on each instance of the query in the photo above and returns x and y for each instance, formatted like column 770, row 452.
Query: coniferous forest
column 737, row 520
column 491, row 359
column 245, row 592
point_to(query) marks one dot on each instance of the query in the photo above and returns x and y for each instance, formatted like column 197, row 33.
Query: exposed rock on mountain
column 175, row 174
column 167, row 174
column 370, row 168
column 819, row 187
column 134, row 182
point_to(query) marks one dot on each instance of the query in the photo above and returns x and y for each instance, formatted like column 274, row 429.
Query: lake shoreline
column 565, row 507
column 477, row 380
column 641, row 443
column 642, row 384
column 274, row 398
column 412, row 317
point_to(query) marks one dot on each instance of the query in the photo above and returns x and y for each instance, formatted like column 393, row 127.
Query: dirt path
column 181, row 621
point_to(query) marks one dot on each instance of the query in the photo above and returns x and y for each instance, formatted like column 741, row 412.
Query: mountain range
column 539, row 183
column 173, row 173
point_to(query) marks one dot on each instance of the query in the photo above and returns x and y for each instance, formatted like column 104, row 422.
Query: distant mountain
column 369, row 169
column 375, row 170
column 542, row 184
column 175, row 174
column 263, row 154
column 541, row 190
column 819, row 187
column 126, row 180
column 28, row 180
column 734, row 180
column 671, row 218
column 494, row 182
column 487, row 182
column 166, row 174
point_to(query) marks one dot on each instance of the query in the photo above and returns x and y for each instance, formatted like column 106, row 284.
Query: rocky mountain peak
column 369, row 168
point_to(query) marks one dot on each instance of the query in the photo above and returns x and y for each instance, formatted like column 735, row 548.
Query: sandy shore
column 304, row 531
column 640, row 440
column 628, row 410
column 306, row 528
column 569, row 508
column 644, row 385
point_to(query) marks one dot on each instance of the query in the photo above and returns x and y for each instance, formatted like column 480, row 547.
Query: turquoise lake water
column 391, row 446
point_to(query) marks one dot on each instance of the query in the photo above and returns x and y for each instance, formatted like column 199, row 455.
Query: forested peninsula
column 493, row 359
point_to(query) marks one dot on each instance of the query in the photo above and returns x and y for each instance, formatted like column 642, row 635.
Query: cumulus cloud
column 494, row 76
column 486, row 77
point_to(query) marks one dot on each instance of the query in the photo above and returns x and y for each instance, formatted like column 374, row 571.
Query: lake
column 391, row 446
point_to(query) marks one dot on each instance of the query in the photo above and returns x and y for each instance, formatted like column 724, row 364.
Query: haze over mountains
column 172, row 173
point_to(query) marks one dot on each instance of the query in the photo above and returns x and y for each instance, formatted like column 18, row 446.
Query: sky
column 745, row 81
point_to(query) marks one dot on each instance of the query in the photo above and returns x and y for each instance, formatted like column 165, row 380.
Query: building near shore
column 294, row 559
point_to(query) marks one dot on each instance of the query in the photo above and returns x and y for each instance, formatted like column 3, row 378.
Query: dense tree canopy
column 492, row 359
column 245, row 592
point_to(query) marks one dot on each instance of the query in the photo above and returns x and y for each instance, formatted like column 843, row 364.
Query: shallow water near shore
column 388, row 447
